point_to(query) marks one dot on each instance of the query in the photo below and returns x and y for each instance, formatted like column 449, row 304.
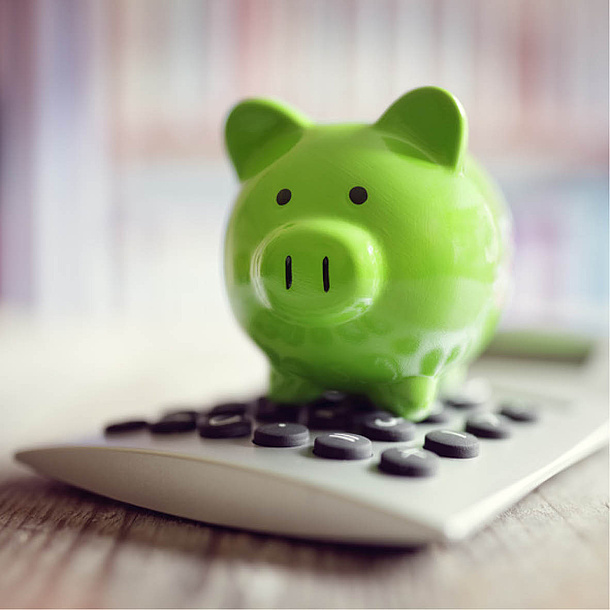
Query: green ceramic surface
column 385, row 296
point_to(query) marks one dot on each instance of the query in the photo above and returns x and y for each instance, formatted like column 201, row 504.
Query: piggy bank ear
column 431, row 120
column 258, row 132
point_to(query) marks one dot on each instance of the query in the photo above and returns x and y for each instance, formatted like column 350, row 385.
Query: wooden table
column 61, row 547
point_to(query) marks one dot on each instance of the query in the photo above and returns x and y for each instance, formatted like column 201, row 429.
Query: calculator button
column 357, row 418
column 520, row 411
column 189, row 413
column 461, row 401
column 225, row 425
column 409, row 462
column 121, row 427
column 448, row 443
column 327, row 418
column 281, row 435
column 271, row 411
column 343, row 446
column 173, row 424
column 330, row 411
column 230, row 408
column 437, row 415
column 386, row 427
column 475, row 392
column 488, row 425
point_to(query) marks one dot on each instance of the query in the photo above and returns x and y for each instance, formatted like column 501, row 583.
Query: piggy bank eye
column 283, row 197
column 358, row 195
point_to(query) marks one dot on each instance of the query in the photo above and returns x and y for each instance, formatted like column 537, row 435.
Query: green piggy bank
column 369, row 259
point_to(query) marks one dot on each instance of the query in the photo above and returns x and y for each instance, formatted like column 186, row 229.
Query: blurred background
column 115, row 190
column 114, row 185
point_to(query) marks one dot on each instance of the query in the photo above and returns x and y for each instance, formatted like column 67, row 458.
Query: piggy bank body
column 370, row 259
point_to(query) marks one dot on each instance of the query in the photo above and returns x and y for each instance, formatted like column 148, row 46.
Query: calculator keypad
column 345, row 427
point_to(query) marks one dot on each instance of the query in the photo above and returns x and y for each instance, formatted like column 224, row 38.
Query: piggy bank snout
column 317, row 271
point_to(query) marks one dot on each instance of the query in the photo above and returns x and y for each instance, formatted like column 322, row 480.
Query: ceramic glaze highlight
column 365, row 258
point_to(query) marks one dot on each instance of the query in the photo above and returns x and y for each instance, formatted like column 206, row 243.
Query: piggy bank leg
column 410, row 398
column 290, row 388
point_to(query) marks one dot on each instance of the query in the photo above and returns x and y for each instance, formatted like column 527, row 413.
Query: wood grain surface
column 62, row 547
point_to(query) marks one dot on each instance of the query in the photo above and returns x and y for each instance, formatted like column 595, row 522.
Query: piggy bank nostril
column 325, row 274
column 288, row 269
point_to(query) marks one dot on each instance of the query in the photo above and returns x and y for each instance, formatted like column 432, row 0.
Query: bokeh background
column 114, row 185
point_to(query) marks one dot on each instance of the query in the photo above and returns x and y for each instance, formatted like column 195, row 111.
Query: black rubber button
column 488, row 425
column 327, row 412
column 438, row 414
column 330, row 411
column 357, row 418
column 475, row 392
column 328, row 418
column 448, row 443
column 281, row 435
column 343, row 446
column 232, row 408
column 519, row 410
column 269, row 411
column 386, row 427
column 225, row 425
column 409, row 462
column 121, row 427
column 181, row 413
column 461, row 401
column 173, row 423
